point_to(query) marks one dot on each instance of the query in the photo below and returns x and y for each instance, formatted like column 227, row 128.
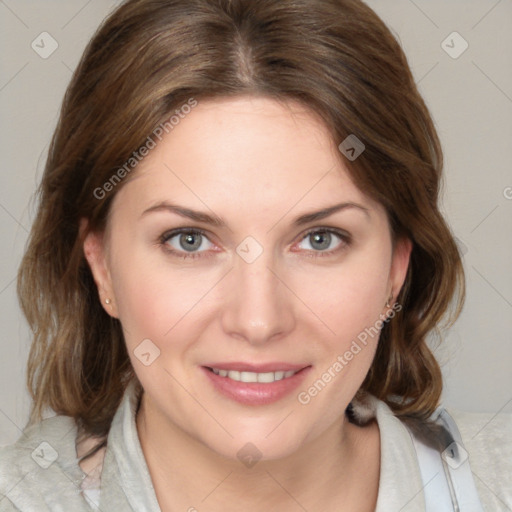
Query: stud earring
column 388, row 305
column 107, row 301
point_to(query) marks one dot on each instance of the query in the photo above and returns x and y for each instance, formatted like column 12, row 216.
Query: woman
column 237, row 259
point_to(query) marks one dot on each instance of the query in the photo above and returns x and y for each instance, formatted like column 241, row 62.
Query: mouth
column 255, row 384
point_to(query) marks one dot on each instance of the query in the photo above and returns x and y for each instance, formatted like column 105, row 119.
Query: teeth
column 253, row 376
column 266, row 377
column 248, row 376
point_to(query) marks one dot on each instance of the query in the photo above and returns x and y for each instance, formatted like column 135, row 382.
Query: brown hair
column 150, row 57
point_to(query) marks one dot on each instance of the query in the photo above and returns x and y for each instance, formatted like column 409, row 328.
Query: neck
column 323, row 474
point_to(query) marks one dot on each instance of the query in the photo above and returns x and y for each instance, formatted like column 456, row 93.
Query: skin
column 258, row 165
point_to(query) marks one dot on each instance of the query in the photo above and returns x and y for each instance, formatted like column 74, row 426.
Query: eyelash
column 345, row 238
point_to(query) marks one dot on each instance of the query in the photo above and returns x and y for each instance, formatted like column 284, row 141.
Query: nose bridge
column 259, row 308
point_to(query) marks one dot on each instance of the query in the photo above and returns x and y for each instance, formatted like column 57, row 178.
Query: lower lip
column 256, row 393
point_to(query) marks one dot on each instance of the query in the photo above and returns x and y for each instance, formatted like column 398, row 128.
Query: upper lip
column 257, row 368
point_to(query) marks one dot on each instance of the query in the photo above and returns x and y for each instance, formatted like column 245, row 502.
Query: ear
column 399, row 265
column 95, row 252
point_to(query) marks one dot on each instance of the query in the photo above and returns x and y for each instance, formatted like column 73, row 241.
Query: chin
column 255, row 442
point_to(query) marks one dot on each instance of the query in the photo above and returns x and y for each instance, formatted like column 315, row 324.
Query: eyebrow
column 330, row 210
column 214, row 220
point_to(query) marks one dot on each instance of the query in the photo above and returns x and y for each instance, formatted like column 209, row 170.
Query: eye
column 324, row 241
column 186, row 242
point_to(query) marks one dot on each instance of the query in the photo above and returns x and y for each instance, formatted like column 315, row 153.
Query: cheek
column 365, row 300
column 151, row 298
column 351, row 303
column 348, row 298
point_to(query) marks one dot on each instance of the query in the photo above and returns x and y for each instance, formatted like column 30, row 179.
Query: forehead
column 247, row 152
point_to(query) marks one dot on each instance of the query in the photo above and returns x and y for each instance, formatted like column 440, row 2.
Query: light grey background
column 470, row 98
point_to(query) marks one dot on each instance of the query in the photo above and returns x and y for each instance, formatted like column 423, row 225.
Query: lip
column 255, row 393
column 257, row 368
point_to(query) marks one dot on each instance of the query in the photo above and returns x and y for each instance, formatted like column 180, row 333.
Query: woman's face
column 240, row 244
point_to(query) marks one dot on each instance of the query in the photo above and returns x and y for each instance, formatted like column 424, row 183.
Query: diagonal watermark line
column 13, row 218
column 421, row 490
column 492, row 81
column 73, row 17
column 75, row 483
column 279, row 424
column 485, row 218
column 485, row 15
column 8, row 284
column 300, row 199
column 13, row 487
column 427, row 73
column 166, row 166
column 198, row 403
column 424, row 13
column 15, row 75
column 490, row 421
column 68, row 67
column 216, row 487
column 5, row 5
column 491, row 285
column 13, row 422
column 213, row 286
column 301, row 301
column 286, row 491
column 497, row 497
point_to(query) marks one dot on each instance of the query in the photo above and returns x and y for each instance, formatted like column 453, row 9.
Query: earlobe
column 400, row 264
column 95, row 254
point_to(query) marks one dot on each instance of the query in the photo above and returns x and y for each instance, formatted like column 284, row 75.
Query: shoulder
column 20, row 457
column 487, row 439
column 40, row 466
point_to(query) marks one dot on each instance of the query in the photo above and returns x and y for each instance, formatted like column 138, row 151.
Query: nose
column 258, row 307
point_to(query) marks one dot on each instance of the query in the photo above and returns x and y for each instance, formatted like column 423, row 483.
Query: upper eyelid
column 185, row 229
column 336, row 231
